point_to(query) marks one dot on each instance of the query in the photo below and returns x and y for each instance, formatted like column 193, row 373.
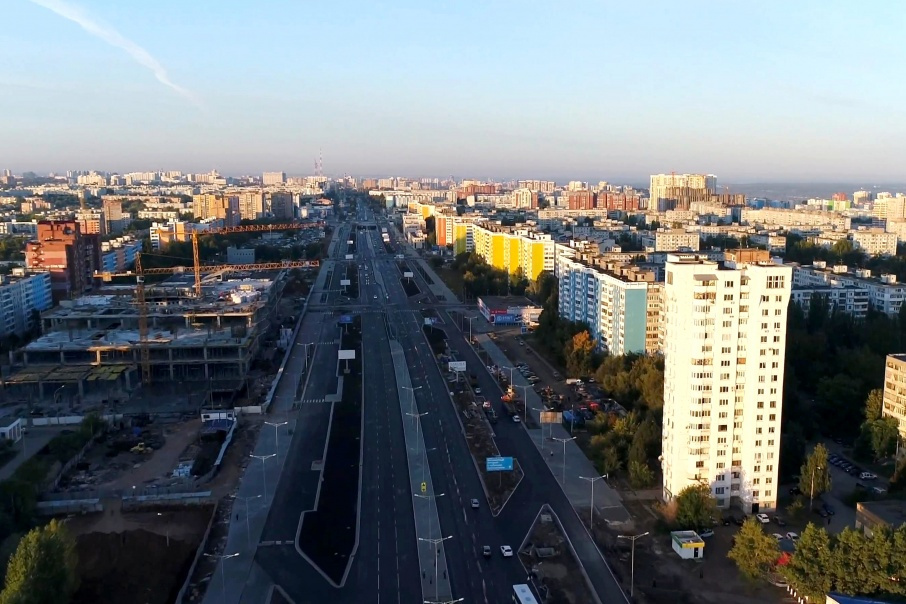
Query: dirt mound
column 133, row 566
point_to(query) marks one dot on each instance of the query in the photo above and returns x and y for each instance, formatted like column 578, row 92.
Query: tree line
column 482, row 279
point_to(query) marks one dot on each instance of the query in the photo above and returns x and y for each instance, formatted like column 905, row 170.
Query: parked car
column 726, row 520
column 762, row 518
column 821, row 512
column 706, row 533
column 779, row 521
column 879, row 490
column 739, row 520
column 867, row 476
column 792, row 536
column 778, row 536
column 507, row 551
column 795, row 491
column 829, row 510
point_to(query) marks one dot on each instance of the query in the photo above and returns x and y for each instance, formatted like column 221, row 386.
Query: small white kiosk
column 688, row 545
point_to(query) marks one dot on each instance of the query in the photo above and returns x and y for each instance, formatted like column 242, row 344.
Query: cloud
column 114, row 38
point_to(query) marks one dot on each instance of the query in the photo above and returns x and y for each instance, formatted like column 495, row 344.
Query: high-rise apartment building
column 580, row 200
column 280, row 205
column 251, row 205
column 895, row 391
column 273, row 178
column 70, row 257
column 91, row 222
column 21, row 296
column 224, row 207
column 680, row 191
column 724, row 348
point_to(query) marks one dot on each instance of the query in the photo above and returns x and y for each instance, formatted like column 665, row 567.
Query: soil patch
column 328, row 534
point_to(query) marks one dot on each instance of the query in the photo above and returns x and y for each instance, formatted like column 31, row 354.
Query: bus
column 522, row 594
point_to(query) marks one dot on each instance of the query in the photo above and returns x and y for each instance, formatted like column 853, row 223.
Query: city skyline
column 767, row 93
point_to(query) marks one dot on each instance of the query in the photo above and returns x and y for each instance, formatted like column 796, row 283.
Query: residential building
column 281, row 205
column 70, row 257
column 580, row 200
column 223, row 207
column 514, row 250
column 680, row 191
column 895, row 391
column 525, row 198
column 671, row 240
column 251, row 205
column 885, row 294
column 21, row 296
column 273, row 178
column 92, row 222
column 724, row 348
column 875, row 242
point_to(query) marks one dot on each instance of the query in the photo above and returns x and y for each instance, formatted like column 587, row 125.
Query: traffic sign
column 498, row 464
column 345, row 319
column 424, row 487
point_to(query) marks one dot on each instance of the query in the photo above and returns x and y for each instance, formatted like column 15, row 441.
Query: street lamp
column 591, row 505
column 811, row 495
column 632, row 564
column 248, row 529
column 564, row 441
column 524, row 393
column 276, row 425
column 160, row 514
column 541, row 410
column 470, row 319
column 417, row 417
column 444, row 601
column 412, row 390
column 222, row 558
column 263, row 459
column 431, row 499
column 435, row 543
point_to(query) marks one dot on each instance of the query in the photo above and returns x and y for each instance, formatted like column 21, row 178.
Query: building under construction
column 90, row 352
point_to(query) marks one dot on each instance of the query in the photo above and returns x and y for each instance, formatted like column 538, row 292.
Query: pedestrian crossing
column 309, row 401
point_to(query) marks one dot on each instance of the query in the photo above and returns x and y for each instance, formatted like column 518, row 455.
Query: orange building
column 580, row 200
column 71, row 257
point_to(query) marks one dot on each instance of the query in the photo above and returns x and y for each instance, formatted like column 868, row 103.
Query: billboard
column 347, row 355
column 407, row 275
column 456, row 365
column 345, row 319
column 345, row 282
column 349, row 256
column 551, row 417
column 498, row 464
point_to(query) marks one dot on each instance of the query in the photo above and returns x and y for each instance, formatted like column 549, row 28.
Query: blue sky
column 751, row 91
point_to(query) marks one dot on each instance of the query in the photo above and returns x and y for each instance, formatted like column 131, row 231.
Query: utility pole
column 263, row 459
column 222, row 558
column 248, row 528
column 435, row 543
column 633, row 538
column 811, row 495
column 431, row 499
column 418, row 422
column 564, row 441
column 591, row 505
column 276, row 426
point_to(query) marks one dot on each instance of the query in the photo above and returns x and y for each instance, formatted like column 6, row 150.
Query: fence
column 198, row 554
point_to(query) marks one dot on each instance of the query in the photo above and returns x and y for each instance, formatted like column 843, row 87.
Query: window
column 699, row 464
column 728, row 323
column 778, row 311
column 767, row 493
column 770, row 468
column 765, row 298
column 764, row 325
column 754, row 494
column 735, row 475
column 757, row 469
column 719, row 490
column 757, row 443
column 764, row 312
column 772, row 417
column 722, row 428
column 720, row 465
column 770, row 443
column 729, row 284
column 776, row 325
column 762, row 365
column 756, row 481
column 759, row 417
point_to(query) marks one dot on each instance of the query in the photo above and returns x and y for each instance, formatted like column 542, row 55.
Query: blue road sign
column 345, row 319
column 498, row 464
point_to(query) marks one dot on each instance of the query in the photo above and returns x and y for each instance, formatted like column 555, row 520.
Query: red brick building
column 71, row 257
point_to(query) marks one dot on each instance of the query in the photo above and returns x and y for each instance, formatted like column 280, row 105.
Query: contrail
column 114, row 38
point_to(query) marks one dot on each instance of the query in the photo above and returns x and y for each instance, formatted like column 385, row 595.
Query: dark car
column 779, row 521
column 795, row 491
column 821, row 512
column 726, row 520
column 829, row 510
column 739, row 520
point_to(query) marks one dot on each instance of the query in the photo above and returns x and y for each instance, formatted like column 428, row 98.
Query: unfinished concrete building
column 90, row 351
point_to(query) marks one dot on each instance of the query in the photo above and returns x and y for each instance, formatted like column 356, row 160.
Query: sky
column 585, row 90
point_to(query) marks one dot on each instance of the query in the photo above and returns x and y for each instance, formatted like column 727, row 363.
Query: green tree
column 814, row 475
column 43, row 569
column 640, row 475
column 873, row 404
column 754, row 551
column 809, row 570
column 860, row 564
column 610, row 460
column 695, row 507
column 580, row 355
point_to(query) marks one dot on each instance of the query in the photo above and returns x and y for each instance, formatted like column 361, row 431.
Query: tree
column 873, row 404
column 754, row 551
column 43, row 569
column 640, row 475
column 859, row 563
column 580, row 355
column 695, row 507
column 809, row 569
column 814, row 475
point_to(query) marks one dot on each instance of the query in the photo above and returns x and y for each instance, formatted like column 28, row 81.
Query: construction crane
column 139, row 273
column 252, row 228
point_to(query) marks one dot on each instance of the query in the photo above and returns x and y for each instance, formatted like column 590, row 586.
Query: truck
column 573, row 418
column 512, row 403
column 383, row 230
column 571, row 381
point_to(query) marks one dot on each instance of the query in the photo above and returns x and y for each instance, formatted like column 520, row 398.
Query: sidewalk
column 30, row 444
column 607, row 503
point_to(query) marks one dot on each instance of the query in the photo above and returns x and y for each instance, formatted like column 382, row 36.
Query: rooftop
column 89, row 339
column 506, row 301
column 891, row 511
column 686, row 537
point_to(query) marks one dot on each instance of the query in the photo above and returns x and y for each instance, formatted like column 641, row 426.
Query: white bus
column 522, row 594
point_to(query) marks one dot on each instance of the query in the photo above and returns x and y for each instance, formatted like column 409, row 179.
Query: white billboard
column 456, row 365
column 347, row 355
column 407, row 275
column 349, row 256
column 345, row 282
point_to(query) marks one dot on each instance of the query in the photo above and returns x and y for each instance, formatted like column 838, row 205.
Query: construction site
column 203, row 337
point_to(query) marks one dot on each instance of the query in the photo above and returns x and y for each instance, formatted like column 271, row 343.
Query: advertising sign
column 407, row 275
column 456, row 365
column 551, row 417
column 345, row 319
column 498, row 464
column 347, row 355
column 349, row 256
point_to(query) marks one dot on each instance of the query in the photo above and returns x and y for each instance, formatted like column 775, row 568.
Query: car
column 516, row 419
column 507, row 551
column 762, row 518
column 792, row 536
column 829, row 510
column 726, row 520
column 739, row 520
column 821, row 512
column 867, row 476
column 706, row 533
column 778, row 536
column 375, row 297
column 486, row 551
column 475, row 504
column 477, row 390
column 879, row 490
column 779, row 521
column 795, row 491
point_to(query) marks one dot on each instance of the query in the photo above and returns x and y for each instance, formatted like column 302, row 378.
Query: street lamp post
column 276, row 426
column 524, row 394
column 811, row 495
column 632, row 564
column 167, row 525
column 591, row 505
column 263, row 459
column 431, row 499
column 435, row 543
column 564, row 441
column 222, row 558
column 412, row 390
column 248, row 528
column 417, row 417
column 470, row 319
column 541, row 410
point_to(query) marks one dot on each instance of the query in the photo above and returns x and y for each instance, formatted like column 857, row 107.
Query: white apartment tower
column 724, row 344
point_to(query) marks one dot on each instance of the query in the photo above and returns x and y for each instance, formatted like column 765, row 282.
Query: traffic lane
column 456, row 460
column 514, row 441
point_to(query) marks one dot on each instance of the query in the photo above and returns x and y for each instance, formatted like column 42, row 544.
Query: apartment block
column 21, row 296
column 884, row 293
column 70, row 257
column 280, row 205
column 615, row 304
column 514, row 250
column 895, row 390
column 222, row 207
column 92, row 222
column 724, row 349
column 680, row 191
column 251, row 205
column 875, row 242
column 663, row 240
column 273, row 178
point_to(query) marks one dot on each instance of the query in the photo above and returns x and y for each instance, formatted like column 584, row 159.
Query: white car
column 792, row 536
column 762, row 518
column 516, row 419
column 507, row 551
column 867, row 476
column 778, row 536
